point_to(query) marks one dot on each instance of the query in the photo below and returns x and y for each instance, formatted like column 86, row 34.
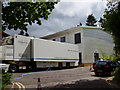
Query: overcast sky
column 67, row 14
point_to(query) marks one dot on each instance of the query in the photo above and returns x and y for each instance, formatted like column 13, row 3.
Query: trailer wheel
column 13, row 68
column 60, row 66
column 67, row 65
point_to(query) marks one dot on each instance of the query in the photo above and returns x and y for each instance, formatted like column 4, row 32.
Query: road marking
column 12, row 86
column 20, row 85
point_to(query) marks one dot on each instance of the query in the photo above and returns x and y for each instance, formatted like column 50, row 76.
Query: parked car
column 4, row 67
column 104, row 67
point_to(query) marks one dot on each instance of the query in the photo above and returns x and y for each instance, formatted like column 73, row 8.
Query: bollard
column 39, row 85
column 90, row 68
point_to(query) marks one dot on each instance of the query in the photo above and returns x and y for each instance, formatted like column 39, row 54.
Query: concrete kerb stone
column 110, row 78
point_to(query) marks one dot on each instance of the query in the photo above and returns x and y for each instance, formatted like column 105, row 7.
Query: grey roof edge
column 82, row 27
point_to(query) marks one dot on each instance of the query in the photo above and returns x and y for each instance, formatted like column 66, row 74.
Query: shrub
column 117, row 70
column 117, row 75
column 5, row 77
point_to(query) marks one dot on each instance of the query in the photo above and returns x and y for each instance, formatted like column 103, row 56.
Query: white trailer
column 21, row 51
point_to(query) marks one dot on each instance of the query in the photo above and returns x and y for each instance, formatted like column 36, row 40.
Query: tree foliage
column 5, row 77
column 91, row 20
column 101, row 21
column 18, row 15
column 112, row 22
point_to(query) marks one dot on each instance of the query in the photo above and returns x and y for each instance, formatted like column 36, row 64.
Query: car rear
column 102, row 68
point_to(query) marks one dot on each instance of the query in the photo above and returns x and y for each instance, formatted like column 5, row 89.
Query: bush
column 5, row 77
column 114, row 58
column 117, row 75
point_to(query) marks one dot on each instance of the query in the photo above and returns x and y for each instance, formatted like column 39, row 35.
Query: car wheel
column 97, row 74
column 108, row 74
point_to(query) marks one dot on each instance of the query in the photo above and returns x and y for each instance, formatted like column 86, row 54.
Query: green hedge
column 5, row 77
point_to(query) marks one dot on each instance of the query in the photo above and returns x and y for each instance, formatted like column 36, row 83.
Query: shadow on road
column 103, row 76
column 85, row 84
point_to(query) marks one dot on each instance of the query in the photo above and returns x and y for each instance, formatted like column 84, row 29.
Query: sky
column 67, row 14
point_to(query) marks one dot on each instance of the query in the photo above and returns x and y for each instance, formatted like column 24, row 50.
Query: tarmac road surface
column 79, row 77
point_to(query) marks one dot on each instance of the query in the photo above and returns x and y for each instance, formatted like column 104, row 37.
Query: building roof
column 71, row 29
column 4, row 34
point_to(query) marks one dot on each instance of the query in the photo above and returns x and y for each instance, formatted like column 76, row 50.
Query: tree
column 101, row 21
column 80, row 24
column 112, row 22
column 91, row 20
column 18, row 15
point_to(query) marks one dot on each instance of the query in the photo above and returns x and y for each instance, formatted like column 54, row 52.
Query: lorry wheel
column 13, row 68
column 67, row 65
column 60, row 66
column 30, row 68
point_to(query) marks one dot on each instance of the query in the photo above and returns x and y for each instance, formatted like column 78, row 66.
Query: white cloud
column 71, row 9
column 81, row 0
column 67, row 15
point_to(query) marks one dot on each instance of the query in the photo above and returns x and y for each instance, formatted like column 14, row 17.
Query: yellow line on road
column 20, row 85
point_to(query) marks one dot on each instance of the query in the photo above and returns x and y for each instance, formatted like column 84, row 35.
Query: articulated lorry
column 31, row 53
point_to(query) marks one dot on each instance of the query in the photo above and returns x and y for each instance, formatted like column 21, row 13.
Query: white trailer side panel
column 45, row 50
column 21, row 48
column 8, row 52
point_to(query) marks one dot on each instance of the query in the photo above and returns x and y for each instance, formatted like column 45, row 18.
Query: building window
column 62, row 39
column 54, row 39
column 77, row 38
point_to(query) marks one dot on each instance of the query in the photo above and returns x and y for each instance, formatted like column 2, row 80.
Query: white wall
column 94, row 40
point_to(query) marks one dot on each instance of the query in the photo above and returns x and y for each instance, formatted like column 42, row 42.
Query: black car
column 104, row 67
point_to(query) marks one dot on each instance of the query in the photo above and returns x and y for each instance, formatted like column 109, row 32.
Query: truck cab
column 15, row 50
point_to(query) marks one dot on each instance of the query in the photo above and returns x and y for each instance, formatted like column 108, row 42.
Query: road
column 79, row 77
